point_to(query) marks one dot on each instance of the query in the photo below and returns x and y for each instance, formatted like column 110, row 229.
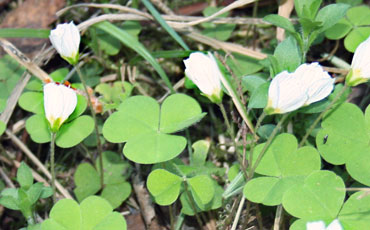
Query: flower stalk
column 96, row 127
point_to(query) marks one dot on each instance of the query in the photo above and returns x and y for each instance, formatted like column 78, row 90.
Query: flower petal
column 203, row 70
column 317, row 225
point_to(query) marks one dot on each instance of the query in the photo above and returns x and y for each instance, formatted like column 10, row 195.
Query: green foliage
column 219, row 31
column 348, row 135
column 164, row 186
column 355, row 27
column 94, row 213
column 134, row 44
column 116, row 188
column 242, row 65
column 164, row 24
column 24, row 33
column 114, row 94
column 283, row 167
column 320, row 196
column 288, row 55
column 75, row 129
column 146, row 127
column 167, row 181
column 10, row 73
column 25, row 197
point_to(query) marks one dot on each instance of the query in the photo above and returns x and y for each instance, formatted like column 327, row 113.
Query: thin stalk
column 192, row 204
column 267, row 145
column 254, row 141
column 232, row 136
column 237, row 216
column 278, row 217
column 314, row 124
column 95, row 125
column 52, row 164
column 172, row 222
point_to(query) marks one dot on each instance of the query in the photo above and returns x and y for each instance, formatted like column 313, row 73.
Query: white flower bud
column 203, row 70
column 320, row 225
column 59, row 103
column 290, row 91
column 66, row 40
column 360, row 67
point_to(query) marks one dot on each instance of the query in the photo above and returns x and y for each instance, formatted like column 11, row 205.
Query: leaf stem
column 267, row 145
column 192, row 204
column 314, row 124
column 98, row 143
column 52, row 164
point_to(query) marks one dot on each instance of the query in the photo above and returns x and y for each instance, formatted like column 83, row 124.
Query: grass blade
column 129, row 41
column 24, row 33
column 164, row 24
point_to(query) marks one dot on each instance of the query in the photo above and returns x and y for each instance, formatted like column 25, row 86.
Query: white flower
column 360, row 67
column 320, row 225
column 290, row 91
column 66, row 40
column 285, row 94
column 318, row 81
column 203, row 70
column 59, row 102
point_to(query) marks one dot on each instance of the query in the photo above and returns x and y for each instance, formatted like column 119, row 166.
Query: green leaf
column 38, row 127
column 215, row 203
column 307, row 8
column 199, row 156
column 259, row 97
column 331, row 14
column 24, row 33
column 80, row 108
column 356, row 37
column 115, row 168
column 280, row 21
column 34, row 192
column 73, row 133
column 347, row 140
column 2, row 127
column 339, row 30
column 359, row 16
column 9, row 198
column 288, row 55
column 24, row 176
column 218, row 31
column 320, row 197
column 285, row 165
column 137, row 123
column 355, row 213
column 87, row 181
column 269, row 190
column 164, row 186
column 132, row 27
column 59, row 74
column 107, row 43
column 134, row 44
column 351, row 2
column 94, row 213
column 175, row 118
column 164, row 24
column 32, row 102
column 115, row 194
column 252, row 82
column 202, row 189
column 242, row 65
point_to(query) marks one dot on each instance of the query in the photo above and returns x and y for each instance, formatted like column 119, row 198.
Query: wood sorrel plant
column 291, row 133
